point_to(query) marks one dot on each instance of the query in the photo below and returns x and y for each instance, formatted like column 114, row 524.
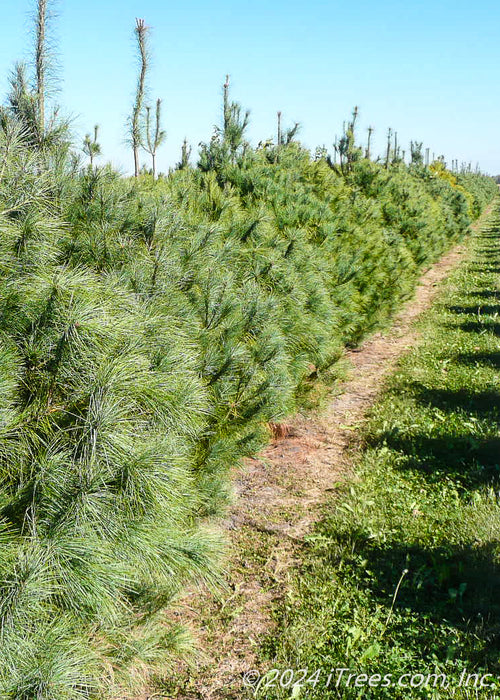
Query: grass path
column 303, row 586
column 400, row 582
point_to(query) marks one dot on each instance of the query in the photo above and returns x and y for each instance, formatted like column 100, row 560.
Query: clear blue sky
column 429, row 69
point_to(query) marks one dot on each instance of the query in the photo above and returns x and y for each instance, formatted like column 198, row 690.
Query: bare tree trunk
column 136, row 160
column 154, row 166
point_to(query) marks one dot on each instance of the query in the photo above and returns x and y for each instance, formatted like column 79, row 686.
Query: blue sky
column 428, row 69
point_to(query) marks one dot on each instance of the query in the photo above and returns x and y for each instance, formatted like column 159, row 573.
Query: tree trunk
column 136, row 159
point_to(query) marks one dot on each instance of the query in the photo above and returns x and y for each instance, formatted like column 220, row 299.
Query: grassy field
column 401, row 580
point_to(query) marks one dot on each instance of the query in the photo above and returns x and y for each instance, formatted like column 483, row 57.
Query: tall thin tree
column 388, row 152
column 41, row 61
column 141, row 33
column 368, row 146
column 226, row 106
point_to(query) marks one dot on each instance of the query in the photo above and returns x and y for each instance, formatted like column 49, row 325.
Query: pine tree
column 28, row 97
column 417, row 157
column 228, row 143
column 185, row 156
column 368, row 145
column 141, row 34
column 388, row 149
column 157, row 137
column 98, row 501
column 346, row 147
column 91, row 146
column 41, row 61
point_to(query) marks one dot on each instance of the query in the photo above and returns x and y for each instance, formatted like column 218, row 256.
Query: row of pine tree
column 151, row 329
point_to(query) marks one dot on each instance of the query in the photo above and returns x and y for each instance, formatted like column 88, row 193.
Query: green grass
column 403, row 573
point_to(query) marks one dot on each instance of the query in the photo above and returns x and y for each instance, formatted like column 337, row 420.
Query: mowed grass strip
column 403, row 574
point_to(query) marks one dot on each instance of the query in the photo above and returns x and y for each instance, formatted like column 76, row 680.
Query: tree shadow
column 485, row 294
column 488, row 253
column 454, row 585
column 472, row 463
column 471, row 460
column 478, row 403
column 491, row 327
column 480, row 267
column 487, row 309
column 489, row 359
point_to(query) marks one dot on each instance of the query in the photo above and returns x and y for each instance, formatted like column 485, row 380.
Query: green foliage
column 227, row 145
column 102, row 409
column 91, row 145
column 155, row 138
column 346, row 148
column 269, row 273
column 150, row 332
column 23, row 107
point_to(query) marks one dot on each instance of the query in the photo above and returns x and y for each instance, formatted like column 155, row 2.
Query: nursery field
column 152, row 331
column 159, row 331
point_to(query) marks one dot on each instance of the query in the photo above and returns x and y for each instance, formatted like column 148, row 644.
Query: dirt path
column 279, row 498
